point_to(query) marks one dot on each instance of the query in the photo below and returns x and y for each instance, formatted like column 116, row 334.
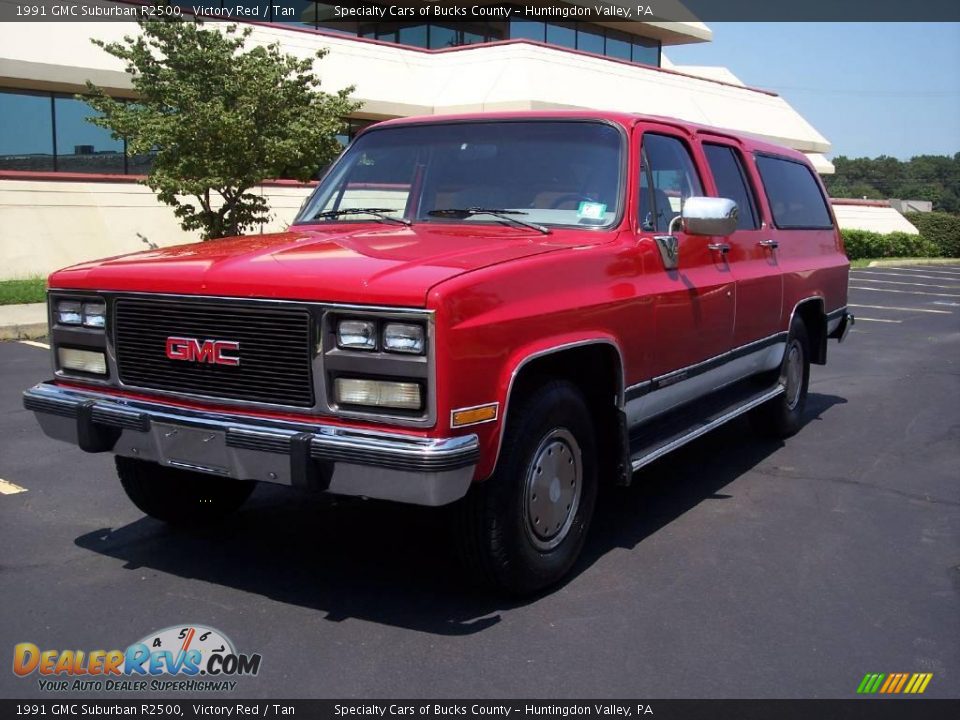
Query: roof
column 627, row 120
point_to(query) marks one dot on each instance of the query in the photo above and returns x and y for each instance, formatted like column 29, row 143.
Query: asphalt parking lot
column 736, row 568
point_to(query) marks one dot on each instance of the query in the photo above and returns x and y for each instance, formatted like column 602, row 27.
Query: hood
column 382, row 264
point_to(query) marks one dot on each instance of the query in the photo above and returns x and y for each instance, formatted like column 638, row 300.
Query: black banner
column 204, row 709
column 293, row 11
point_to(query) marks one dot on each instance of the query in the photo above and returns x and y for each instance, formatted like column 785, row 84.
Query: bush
column 942, row 229
column 865, row 244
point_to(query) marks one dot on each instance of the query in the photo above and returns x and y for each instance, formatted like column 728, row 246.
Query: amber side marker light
column 474, row 415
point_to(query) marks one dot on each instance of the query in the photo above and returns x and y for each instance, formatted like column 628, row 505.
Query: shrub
column 865, row 244
column 942, row 229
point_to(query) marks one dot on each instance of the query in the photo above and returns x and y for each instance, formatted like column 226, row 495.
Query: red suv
column 500, row 312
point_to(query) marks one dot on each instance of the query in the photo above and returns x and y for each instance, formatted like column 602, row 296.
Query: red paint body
column 502, row 294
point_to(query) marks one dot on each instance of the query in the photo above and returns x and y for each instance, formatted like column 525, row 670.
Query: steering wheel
column 567, row 197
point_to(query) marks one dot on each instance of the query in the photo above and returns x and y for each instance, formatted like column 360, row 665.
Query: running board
column 670, row 434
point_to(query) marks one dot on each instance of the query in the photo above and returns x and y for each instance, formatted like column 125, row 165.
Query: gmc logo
column 208, row 351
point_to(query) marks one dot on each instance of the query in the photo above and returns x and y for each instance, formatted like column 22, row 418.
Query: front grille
column 275, row 349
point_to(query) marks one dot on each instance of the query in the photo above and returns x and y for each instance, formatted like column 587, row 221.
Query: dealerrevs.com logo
column 186, row 658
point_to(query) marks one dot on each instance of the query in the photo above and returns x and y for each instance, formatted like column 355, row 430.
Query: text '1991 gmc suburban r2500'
column 499, row 312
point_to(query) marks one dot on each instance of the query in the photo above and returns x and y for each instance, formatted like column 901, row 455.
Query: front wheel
column 523, row 528
column 783, row 416
column 181, row 497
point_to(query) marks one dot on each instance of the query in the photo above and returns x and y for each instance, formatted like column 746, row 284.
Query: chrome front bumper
column 346, row 461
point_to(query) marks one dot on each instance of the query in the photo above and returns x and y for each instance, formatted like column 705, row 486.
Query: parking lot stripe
column 34, row 343
column 901, row 309
column 904, row 292
column 943, row 270
column 903, row 275
column 9, row 488
column 863, row 319
column 900, row 282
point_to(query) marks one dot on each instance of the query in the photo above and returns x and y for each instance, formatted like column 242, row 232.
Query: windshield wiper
column 376, row 212
column 461, row 213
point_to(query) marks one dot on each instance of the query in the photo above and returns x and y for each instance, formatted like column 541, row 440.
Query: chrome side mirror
column 709, row 216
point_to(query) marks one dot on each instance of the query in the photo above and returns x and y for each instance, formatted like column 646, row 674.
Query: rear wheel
column 783, row 416
column 523, row 528
column 180, row 497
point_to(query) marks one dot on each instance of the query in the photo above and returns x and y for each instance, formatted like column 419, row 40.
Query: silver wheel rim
column 793, row 373
column 554, row 484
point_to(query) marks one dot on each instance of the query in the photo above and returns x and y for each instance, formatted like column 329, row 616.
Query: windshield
column 540, row 172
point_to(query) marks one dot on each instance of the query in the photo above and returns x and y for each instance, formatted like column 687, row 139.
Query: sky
column 870, row 88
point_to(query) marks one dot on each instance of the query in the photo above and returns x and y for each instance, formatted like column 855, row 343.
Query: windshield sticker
column 591, row 211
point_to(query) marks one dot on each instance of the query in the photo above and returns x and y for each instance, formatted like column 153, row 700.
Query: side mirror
column 709, row 216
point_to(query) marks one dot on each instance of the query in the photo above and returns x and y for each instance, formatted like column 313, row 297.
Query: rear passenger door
column 754, row 259
column 694, row 304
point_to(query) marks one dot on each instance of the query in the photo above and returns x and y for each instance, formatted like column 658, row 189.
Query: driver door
column 694, row 304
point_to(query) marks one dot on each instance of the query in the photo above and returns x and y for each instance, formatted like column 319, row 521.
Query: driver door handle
column 720, row 247
column 770, row 244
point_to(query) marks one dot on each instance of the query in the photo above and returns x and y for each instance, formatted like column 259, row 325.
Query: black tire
column 180, row 497
column 783, row 416
column 548, row 442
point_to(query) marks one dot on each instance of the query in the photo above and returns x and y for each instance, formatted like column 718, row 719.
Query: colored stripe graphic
column 894, row 683
column 903, row 680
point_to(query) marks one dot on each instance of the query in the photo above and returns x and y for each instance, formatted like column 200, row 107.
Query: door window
column 732, row 183
column 670, row 176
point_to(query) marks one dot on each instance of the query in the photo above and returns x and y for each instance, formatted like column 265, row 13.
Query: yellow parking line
column 863, row 319
column 8, row 488
column 34, row 343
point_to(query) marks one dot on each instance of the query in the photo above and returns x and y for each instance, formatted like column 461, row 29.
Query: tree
column 924, row 177
column 220, row 119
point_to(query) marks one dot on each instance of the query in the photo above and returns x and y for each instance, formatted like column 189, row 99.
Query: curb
column 914, row 261
column 26, row 331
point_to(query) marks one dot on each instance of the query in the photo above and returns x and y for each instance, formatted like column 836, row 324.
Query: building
column 879, row 216
column 68, row 191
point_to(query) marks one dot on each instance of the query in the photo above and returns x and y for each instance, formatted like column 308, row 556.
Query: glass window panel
column 646, row 52
column 674, row 174
column 795, row 197
column 387, row 36
column 414, row 35
column 528, row 30
column 140, row 164
column 26, row 132
column 728, row 173
column 618, row 45
column 589, row 40
column 442, row 37
column 81, row 146
column 560, row 173
column 471, row 38
column 562, row 35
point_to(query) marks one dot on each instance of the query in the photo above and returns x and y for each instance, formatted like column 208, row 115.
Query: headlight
column 76, row 312
column 94, row 314
column 378, row 393
column 357, row 334
column 82, row 360
column 69, row 312
column 403, row 338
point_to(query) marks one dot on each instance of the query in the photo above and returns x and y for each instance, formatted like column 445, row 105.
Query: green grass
column 865, row 262
column 28, row 290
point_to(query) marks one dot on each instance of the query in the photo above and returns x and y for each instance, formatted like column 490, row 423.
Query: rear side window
column 732, row 183
column 795, row 198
